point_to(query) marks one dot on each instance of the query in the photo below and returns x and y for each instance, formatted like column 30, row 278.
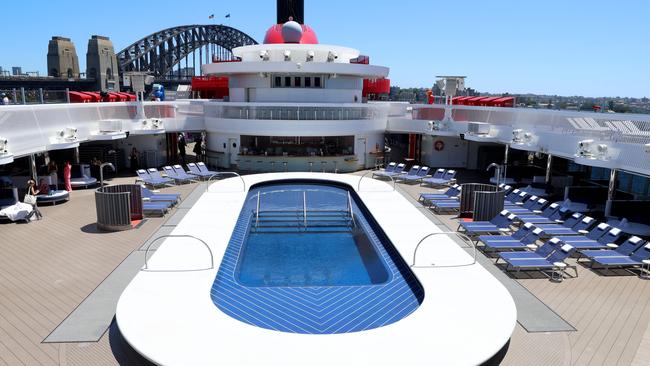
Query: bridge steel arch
column 159, row 52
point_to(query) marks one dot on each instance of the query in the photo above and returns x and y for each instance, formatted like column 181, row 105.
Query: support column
column 76, row 155
column 505, row 162
column 549, row 162
column 32, row 167
column 613, row 175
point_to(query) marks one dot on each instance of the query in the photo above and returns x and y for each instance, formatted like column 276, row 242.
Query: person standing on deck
column 181, row 147
column 67, row 175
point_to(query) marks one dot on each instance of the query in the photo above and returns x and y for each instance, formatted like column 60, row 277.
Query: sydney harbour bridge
column 166, row 53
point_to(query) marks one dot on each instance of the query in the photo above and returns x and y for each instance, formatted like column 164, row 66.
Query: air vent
column 478, row 128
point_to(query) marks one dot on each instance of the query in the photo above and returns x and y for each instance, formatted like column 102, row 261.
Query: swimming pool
column 306, row 256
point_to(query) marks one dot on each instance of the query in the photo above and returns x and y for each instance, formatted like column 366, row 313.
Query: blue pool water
column 312, row 260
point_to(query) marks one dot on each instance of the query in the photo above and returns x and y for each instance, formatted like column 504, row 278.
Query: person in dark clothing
column 181, row 147
column 197, row 149
column 135, row 159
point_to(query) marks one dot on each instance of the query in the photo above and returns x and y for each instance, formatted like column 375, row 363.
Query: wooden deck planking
column 611, row 314
column 47, row 268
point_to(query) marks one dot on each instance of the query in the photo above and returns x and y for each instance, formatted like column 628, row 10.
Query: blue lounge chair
column 180, row 172
column 194, row 170
column 152, row 178
column 634, row 260
column 499, row 223
column 204, row 168
column 626, row 248
column 587, row 236
column 542, row 251
column 399, row 169
column 544, row 217
column 531, row 205
column 559, row 255
column 160, row 197
column 158, row 208
column 389, row 169
column 449, row 205
column 451, row 192
column 411, row 173
column 610, row 238
column 441, row 177
column 419, row 175
column 171, row 173
column 526, row 235
column 575, row 224
column 516, row 198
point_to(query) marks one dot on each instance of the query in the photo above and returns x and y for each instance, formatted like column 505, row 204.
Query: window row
column 297, row 81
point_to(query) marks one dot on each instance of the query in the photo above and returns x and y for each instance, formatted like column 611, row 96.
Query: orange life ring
column 439, row 145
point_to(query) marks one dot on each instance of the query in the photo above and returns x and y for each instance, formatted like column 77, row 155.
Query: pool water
column 306, row 257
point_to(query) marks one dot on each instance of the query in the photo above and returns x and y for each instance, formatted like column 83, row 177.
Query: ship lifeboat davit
column 290, row 32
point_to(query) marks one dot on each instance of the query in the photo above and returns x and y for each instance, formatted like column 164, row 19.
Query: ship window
column 296, row 82
column 287, row 81
column 278, row 82
column 317, row 82
column 307, row 82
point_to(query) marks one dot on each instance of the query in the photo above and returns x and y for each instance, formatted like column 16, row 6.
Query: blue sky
column 577, row 47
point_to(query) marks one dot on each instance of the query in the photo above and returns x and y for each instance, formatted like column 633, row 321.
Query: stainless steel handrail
column 146, row 252
column 304, row 207
column 217, row 174
column 433, row 265
column 372, row 171
column 257, row 211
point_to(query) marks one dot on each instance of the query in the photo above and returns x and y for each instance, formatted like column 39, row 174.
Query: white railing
column 219, row 174
column 146, row 254
column 462, row 236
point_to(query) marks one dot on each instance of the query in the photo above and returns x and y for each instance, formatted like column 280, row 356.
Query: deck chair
column 389, row 169
column 499, row 223
column 590, row 236
column 204, row 168
column 153, row 178
column 194, row 170
column 526, row 235
column 635, row 259
column 445, row 178
column 399, row 169
column 575, row 224
column 626, row 248
column 171, row 173
column 180, row 172
column 559, row 255
column 419, row 175
column 542, row 251
column 160, row 197
column 452, row 191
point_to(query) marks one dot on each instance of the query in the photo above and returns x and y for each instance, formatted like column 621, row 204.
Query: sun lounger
column 635, row 259
column 204, row 168
column 453, row 191
column 157, row 208
column 399, row 169
column 180, row 172
column 389, row 169
column 171, row 173
column 500, row 223
column 150, row 196
column 451, row 205
column 575, row 224
column 194, row 170
column 154, row 181
column 543, row 217
column 526, row 235
column 419, row 175
column 542, row 252
column 446, row 178
column 626, row 248
column 588, row 236
column 559, row 255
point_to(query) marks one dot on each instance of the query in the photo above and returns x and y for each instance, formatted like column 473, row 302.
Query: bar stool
column 336, row 169
column 273, row 166
column 311, row 166
column 323, row 164
column 285, row 165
